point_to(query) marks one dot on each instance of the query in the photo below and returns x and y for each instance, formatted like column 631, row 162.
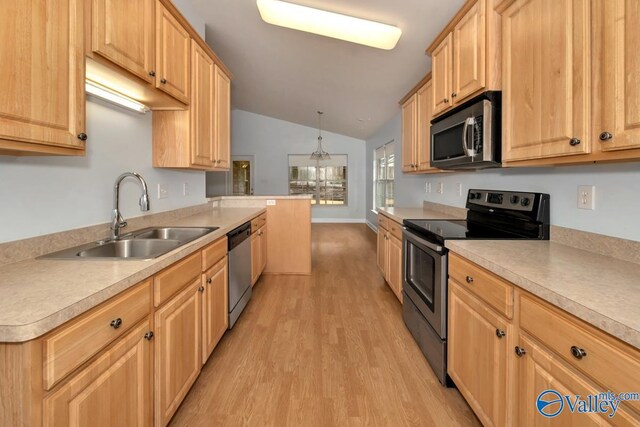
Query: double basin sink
column 143, row 244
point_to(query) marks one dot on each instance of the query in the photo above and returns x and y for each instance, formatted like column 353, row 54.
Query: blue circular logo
column 550, row 403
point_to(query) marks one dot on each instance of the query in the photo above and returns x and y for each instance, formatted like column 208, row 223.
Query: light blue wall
column 617, row 210
column 271, row 141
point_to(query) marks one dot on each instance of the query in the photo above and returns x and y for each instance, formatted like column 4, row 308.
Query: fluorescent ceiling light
column 329, row 24
column 114, row 97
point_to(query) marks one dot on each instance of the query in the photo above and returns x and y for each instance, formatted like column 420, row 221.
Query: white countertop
column 38, row 295
column 399, row 214
column 600, row 290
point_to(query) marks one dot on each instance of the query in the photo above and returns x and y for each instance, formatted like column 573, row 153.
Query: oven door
column 425, row 279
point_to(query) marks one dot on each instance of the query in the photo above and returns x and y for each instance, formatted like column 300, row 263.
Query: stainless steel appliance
column 239, row 241
column 491, row 215
column 468, row 137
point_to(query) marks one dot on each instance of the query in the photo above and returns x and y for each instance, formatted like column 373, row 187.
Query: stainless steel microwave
column 468, row 137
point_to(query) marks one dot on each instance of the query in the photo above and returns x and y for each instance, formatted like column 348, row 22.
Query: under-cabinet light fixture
column 114, row 97
column 329, row 24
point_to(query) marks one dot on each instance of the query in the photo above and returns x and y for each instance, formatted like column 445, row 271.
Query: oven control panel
column 502, row 199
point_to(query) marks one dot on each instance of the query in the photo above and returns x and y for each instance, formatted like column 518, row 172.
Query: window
column 383, row 176
column 325, row 180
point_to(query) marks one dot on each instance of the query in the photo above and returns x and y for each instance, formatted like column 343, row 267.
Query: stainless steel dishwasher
column 239, row 270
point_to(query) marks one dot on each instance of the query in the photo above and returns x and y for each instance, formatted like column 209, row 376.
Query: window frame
column 388, row 150
column 316, row 195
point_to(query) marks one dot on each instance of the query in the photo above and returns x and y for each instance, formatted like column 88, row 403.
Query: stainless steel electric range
column 491, row 215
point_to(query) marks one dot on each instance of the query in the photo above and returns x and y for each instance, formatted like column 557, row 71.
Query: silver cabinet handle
column 605, row 136
column 148, row 336
column 578, row 352
column 520, row 351
column 201, row 289
column 163, row 81
column 574, row 141
column 500, row 333
column 469, row 279
column 115, row 324
column 209, row 280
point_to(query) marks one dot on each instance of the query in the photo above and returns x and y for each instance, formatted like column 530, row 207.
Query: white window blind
column 383, row 176
column 325, row 180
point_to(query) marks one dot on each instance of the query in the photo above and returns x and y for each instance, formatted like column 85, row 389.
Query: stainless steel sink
column 143, row 244
column 131, row 248
column 182, row 234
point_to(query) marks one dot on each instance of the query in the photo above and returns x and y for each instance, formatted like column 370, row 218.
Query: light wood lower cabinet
column 178, row 354
column 501, row 366
column 478, row 350
column 113, row 390
column 289, row 243
column 389, row 253
column 215, row 303
column 258, row 253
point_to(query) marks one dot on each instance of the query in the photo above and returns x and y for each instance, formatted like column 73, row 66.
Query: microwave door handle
column 465, row 146
column 471, row 151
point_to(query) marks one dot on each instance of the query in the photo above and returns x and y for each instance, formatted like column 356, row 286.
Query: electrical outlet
column 427, row 187
column 271, row 202
column 459, row 189
column 587, row 197
column 440, row 188
column 163, row 191
column 185, row 189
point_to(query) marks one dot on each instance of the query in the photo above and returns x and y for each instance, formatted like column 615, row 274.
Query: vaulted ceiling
column 289, row 75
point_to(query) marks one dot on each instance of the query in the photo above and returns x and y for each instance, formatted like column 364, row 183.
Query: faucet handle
column 122, row 224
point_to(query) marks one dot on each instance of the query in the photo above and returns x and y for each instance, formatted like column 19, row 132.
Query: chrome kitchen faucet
column 117, row 222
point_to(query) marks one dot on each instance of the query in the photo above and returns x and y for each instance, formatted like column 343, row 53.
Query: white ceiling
column 289, row 75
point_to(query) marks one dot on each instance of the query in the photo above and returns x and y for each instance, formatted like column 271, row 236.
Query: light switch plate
column 587, row 197
column 440, row 188
column 163, row 191
column 271, row 202
column 427, row 187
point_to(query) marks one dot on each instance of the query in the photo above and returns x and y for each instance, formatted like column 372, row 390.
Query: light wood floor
column 329, row 349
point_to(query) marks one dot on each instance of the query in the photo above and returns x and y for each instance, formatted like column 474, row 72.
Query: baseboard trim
column 372, row 226
column 338, row 220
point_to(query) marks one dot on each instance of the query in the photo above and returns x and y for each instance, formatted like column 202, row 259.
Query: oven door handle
column 410, row 236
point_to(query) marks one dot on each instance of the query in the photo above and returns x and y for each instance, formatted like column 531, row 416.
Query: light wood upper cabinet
column 442, row 75
column 223, row 120
column 215, row 303
column 621, row 75
column 409, row 134
column 202, row 118
column 423, row 143
column 177, row 351
column 172, row 55
column 546, row 78
column 113, row 390
column 469, row 53
column 478, row 350
column 42, row 107
column 126, row 42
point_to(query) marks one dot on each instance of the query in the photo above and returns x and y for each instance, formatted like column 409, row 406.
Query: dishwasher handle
column 238, row 235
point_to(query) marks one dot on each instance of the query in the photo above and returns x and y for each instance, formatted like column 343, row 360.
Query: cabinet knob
column 453, row 95
column 469, row 279
column 578, row 352
column 520, row 351
column 605, row 136
column 201, row 289
column 152, row 73
column 115, row 324
column 500, row 333
column 446, row 100
column 163, row 81
column 82, row 136
column 148, row 336
column 209, row 280
column 574, row 141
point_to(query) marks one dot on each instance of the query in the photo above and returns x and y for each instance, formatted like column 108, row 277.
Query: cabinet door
column 546, row 55
column 263, row 248
column 126, row 42
column 42, row 70
column 395, row 265
column 621, row 79
column 441, row 72
column 423, row 141
column 202, row 107
column 382, row 250
column 215, row 312
column 469, row 53
column 477, row 356
column 172, row 55
column 409, row 133
column 177, row 350
column 539, row 370
column 223, row 120
column 113, row 390
column 256, row 262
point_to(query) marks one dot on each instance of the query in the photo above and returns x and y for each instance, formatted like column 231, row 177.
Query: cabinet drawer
column 383, row 222
column 395, row 229
column 72, row 345
column 607, row 361
column 258, row 222
column 490, row 288
column 214, row 252
column 176, row 277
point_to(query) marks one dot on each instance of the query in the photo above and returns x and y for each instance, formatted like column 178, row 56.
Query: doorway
column 242, row 175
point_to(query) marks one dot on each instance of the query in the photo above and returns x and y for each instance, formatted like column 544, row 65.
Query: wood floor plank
column 330, row 349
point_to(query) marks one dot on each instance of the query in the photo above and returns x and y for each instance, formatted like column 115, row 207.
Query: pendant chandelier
column 320, row 154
